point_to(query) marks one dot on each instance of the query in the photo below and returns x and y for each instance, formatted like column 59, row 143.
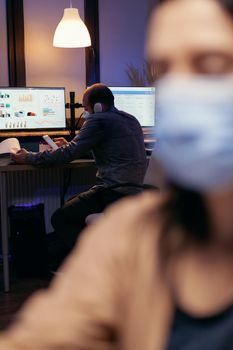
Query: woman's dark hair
column 227, row 5
column 185, row 220
column 185, row 210
column 100, row 93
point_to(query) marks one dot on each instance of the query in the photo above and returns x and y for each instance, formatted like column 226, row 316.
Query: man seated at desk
column 116, row 141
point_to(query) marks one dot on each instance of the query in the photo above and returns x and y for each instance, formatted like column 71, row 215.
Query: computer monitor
column 138, row 101
column 37, row 108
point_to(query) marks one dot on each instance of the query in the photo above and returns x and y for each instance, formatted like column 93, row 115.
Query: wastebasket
column 28, row 240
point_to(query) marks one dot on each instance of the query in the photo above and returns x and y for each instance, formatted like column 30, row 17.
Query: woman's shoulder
column 135, row 208
column 127, row 222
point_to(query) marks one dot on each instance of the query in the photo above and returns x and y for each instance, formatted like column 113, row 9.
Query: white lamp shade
column 71, row 31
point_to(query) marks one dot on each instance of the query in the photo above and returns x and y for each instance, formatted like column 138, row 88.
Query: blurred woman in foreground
column 156, row 273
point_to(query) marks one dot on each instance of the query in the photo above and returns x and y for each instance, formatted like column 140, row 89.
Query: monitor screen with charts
column 138, row 101
column 23, row 109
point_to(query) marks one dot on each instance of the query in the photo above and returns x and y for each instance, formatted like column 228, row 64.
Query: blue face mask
column 195, row 131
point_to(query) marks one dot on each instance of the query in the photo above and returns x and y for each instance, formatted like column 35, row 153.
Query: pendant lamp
column 71, row 31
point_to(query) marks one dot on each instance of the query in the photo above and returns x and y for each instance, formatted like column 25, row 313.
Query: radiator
column 46, row 186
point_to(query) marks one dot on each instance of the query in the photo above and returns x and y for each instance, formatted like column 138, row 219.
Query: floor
column 20, row 290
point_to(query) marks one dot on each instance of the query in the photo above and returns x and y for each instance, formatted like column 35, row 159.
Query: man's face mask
column 194, row 127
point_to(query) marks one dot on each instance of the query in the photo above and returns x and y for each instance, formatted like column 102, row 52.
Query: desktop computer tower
column 28, row 240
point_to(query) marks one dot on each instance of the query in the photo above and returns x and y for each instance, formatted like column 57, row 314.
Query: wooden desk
column 5, row 171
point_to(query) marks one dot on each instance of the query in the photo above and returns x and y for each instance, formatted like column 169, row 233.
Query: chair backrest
column 154, row 179
column 154, row 176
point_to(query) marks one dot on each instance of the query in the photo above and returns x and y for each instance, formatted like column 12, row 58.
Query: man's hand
column 20, row 156
column 60, row 141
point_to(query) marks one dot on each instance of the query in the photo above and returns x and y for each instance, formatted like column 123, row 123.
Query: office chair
column 153, row 180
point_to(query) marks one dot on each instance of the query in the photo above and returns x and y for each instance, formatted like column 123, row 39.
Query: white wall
column 122, row 38
column 45, row 64
column 3, row 45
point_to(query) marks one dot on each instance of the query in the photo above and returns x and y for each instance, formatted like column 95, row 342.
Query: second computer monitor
column 138, row 101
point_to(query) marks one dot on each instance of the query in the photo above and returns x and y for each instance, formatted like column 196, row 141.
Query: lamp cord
column 71, row 4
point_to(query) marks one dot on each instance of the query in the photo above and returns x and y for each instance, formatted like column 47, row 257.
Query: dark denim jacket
column 116, row 141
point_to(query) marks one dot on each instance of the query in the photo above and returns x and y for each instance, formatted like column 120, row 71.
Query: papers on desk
column 8, row 146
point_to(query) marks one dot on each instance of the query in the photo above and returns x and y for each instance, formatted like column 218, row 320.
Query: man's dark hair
column 100, row 93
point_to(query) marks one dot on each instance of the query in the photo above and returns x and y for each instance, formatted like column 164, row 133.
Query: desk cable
column 65, row 186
